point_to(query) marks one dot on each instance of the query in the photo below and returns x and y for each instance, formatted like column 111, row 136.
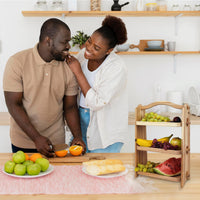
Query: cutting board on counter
column 143, row 44
column 75, row 159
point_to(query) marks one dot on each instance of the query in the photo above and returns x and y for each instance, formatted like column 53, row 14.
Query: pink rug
column 69, row 180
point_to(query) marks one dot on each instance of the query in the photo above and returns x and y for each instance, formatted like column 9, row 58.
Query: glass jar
column 151, row 6
column 95, row 5
column 57, row 5
column 197, row 7
column 41, row 5
column 161, row 5
column 175, row 7
column 187, row 7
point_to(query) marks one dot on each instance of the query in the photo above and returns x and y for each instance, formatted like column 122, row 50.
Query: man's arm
column 73, row 120
column 17, row 111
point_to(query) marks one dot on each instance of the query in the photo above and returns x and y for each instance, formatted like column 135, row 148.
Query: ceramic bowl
column 123, row 47
column 154, row 43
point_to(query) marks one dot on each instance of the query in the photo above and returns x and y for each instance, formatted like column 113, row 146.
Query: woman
column 102, row 77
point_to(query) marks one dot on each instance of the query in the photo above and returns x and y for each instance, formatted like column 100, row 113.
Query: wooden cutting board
column 143, row 44
column 75, row 159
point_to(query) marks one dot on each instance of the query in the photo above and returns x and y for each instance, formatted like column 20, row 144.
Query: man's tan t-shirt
column 44, row 86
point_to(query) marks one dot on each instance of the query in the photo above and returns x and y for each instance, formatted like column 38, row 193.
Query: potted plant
column 79, row 39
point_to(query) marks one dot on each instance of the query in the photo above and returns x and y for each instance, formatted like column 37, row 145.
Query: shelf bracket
column 176, row 24
column 174, row 63
column 63, row 16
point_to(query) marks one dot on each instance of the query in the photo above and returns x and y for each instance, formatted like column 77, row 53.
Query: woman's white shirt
column 107, row 100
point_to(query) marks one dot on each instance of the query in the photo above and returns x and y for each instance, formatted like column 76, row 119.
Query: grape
column 154, row 117
column 165, row 145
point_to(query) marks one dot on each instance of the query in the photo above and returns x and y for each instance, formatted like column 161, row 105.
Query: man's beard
column 57, row 55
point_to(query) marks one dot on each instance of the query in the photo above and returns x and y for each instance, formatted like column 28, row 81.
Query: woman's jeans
column 85, row 119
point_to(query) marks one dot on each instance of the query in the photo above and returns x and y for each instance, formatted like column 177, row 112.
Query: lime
column 9, row 167
column 19, row 157
column 43, row 162
column 33, row 169
column 20, row 169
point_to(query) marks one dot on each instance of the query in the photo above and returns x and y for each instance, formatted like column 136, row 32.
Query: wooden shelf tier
column 169, row 124
column 115, row 13
column 153, row 175
column 152, row 52
column 194, row 120
column 174, row 152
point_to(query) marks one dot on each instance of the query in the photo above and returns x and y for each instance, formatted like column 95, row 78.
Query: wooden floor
column 166, row 190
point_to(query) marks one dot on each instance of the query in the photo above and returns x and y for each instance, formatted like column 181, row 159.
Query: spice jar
column 161, row 5
column 57, row 5
column 95, row 5
column 150, row 6
column 41, row 5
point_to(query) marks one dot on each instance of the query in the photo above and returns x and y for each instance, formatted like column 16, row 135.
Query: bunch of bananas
column 148, row 143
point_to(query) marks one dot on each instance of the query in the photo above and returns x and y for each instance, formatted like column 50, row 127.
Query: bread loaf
column 103, row 162
column 104, row 169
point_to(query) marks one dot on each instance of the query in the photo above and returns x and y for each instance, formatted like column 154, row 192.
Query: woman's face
column 96, row 47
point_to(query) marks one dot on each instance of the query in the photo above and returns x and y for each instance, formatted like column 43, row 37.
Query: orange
column 27, row 156
column 35, row 156
column 61, row 153
column 76, row 150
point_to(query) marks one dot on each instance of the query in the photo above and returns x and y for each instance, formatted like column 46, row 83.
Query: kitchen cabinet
column 141, row 153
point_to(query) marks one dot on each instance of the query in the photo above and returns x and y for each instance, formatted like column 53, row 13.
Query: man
column 41, row 91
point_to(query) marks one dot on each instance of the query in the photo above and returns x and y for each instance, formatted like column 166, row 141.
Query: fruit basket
column 141, row 152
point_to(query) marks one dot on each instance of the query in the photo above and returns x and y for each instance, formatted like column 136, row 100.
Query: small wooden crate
column 140, row 132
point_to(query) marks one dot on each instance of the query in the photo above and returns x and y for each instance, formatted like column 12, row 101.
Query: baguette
column 103, row 162
column 96, row 170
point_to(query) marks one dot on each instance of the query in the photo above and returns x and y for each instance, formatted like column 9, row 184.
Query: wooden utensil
column 143, row 44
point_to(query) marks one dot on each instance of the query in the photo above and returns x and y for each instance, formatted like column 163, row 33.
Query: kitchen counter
column 165, row 189
column 5, row 119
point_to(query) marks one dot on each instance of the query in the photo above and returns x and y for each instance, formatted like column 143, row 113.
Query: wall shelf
column 116, row 13
column 152, row 52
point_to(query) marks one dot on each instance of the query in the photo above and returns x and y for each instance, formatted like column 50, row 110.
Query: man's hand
column 79, row 141
column 43, row 145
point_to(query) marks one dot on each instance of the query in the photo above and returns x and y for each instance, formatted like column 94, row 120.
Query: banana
column 143, row 142
column 148, row 143
column 165, row 139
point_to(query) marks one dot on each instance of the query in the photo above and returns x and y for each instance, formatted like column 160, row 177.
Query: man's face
column 60, row 44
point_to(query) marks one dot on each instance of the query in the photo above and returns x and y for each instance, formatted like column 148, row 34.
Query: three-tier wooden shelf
column 141, row 153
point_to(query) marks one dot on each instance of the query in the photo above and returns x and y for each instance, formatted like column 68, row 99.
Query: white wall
column 145, row 72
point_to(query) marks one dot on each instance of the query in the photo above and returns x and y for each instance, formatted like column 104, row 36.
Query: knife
column 59, row 147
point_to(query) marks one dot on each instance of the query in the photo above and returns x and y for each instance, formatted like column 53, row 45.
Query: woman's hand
column 74, row 65
column 79, row 141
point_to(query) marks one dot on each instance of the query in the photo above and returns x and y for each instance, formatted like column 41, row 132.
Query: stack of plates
column 175, row 97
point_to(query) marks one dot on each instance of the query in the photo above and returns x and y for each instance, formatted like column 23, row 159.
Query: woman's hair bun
column 118, row 28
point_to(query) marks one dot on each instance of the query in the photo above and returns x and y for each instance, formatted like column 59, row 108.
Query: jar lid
column 151, row 4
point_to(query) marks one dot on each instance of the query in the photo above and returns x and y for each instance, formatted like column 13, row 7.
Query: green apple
column 20, row 169
column 9, row 166
column 28, row 162
column 43, row 162
column 19, row 157
column 33, row 169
